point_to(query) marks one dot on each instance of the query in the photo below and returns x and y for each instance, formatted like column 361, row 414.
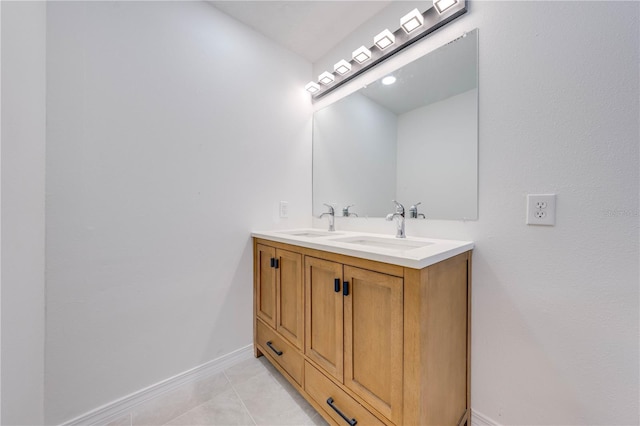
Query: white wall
column 555, row 309
column 438, row 157
column 355, row 150
column 173, row 131
column 23, row 211
column 1, row 216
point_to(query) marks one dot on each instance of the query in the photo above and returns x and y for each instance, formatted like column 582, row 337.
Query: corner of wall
column 22, row 183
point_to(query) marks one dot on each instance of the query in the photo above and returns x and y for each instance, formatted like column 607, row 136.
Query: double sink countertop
column 410, row 252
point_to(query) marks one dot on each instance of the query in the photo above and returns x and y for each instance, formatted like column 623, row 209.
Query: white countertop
column 411, row 252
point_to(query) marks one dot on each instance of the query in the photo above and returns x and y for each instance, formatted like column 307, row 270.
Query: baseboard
column 479, row 419
column 122, row 406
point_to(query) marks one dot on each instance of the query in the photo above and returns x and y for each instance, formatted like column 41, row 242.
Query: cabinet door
column 373, row 327
column 266, row 284
column 290, row 297
column 324, row 326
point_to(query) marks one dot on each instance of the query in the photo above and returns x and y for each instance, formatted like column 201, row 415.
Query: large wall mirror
column 415, row 140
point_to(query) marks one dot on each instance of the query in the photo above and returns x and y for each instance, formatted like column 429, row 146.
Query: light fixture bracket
column 432, row 21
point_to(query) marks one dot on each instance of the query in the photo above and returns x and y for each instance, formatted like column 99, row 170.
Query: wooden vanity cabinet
column 279, row 292
column 324, row 315
column 373, row 339
column 265, row 284
column 381, row 344
column 354, row 330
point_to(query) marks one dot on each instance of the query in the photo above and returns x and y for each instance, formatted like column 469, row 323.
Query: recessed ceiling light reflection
column 388, row 80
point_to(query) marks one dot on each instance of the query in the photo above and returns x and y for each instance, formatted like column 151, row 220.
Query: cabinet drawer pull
column 274, row 349
column 336, row 285
column 352, row 422
column 273, row 262
column 345, row 288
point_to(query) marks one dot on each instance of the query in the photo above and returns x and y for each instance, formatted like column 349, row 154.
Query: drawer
column 279, row 350
column 323, row 391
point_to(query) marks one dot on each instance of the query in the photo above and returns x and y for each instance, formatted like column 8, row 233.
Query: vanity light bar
column 342, row 67
column 412, row 21
column 361, row 54
column 384, row 39
column 443, row 5
column 326, row 78
column 414, row 26
column 312, row 87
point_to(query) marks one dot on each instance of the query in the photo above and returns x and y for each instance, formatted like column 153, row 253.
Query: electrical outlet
column 541, row 209
column 284, row 209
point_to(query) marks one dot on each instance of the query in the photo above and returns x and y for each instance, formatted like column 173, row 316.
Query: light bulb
column 342, row 67
column 326, row 78
column 411, row 21
column 361, row 54
column 312, row 87
column 384, row 39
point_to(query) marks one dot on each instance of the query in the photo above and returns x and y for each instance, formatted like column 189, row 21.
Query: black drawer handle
column 336, row 285
column 345, row 288
column 352, row 422
column 273, row 262
column 274, row 349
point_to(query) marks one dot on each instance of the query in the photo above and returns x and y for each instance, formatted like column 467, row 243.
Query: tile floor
column 252, row 392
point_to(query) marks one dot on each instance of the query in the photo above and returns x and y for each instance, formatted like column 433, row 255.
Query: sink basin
column 386, row 243
column 309, row 233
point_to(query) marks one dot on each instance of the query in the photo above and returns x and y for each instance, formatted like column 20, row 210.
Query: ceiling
column 308, row 28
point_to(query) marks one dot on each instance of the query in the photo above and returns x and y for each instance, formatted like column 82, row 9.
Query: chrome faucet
column 347, row 213
column 332, row 216
column 413, row 211
column 398, row 215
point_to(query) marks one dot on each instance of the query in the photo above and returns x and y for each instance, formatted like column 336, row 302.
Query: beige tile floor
column 252, row 392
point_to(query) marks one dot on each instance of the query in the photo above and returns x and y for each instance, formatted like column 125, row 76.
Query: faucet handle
column 413, row 211
column 399, row 207
column 331, row 210
column 345, row 210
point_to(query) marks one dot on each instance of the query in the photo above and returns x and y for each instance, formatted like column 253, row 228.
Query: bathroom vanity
column 370, row 329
